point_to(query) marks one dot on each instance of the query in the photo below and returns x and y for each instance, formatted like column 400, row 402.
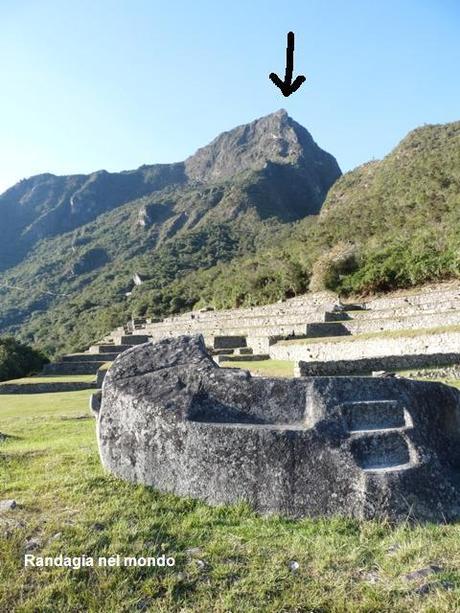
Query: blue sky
column 115, row 84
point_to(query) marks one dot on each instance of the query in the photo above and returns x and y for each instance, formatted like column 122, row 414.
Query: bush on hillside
column 403, row 263
column 329, row 268
column 18, row 360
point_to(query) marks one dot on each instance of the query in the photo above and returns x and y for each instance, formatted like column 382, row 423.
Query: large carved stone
column 361, row 447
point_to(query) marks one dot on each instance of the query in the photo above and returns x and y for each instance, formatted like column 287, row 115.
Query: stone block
column 172, row 419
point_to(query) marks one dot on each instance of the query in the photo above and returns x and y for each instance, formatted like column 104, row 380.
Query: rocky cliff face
column 275, row 138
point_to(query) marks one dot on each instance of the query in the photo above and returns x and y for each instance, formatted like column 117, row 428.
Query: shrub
column 330, row 267
column 18, row 360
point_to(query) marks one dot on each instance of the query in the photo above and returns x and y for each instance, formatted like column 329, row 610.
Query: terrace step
column 46, row 387
column 365, row 366
column 108, row 348
column 243, row 351
column 72, row 368
column 374, row 415
column 356, row 306
column 378, row 431
column 241, row 358
column 321, row 330
column 221, row 351
column 381, row 450
column 330, row 316
column 134, row 339
column 229, row 342
column 89, row 357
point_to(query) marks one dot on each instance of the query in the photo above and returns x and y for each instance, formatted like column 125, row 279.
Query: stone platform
column 360, row 447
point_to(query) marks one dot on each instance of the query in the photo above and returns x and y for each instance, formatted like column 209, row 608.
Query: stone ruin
column 170, row 418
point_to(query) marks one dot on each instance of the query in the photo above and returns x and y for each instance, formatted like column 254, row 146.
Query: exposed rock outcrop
column 172, row 419
column 275, row 138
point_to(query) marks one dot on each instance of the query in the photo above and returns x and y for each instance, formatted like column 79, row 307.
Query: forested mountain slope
column 387, row 224
column 235, row 224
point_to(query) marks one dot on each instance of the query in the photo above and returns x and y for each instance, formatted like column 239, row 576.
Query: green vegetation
column 17, row 360
column 412, row 200
column 106, row 366
column 53, row 379
column 46, row 305
column 267, row 368
column 387, row 224
column 227, row 558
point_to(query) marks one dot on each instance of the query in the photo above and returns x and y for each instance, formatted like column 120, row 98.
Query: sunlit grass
column 52, row 379
column 50, row 466
column 268, row 368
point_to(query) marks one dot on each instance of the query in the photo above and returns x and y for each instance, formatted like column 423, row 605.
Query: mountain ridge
column 75, row 241
column 47, row 205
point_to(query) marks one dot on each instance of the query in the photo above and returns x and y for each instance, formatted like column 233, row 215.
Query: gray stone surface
column 229, row 342
column 7, row 505
column 349, row 348
column 95, row 402
column 134, row 339
column 89, row 357
column 100, row 376
column 361, row 447
column 257, row 357
column 73, row 368
column 108, row 348
column 364, row 366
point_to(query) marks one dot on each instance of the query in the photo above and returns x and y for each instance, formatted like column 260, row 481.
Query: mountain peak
column 273, row 138
column 280, row 113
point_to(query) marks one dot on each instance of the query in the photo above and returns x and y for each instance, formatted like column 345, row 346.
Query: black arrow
column 287, row 87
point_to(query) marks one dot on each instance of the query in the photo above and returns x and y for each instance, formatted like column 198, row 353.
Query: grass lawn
column 268, row 368
column 53, row 379
column 106, row 366
column 417, row 373
column 236, row 561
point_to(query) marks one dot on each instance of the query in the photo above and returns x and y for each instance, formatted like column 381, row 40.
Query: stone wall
column 365, row 325
column 262, row 344
column 365, row 366
column 309, row 302
column 355, row 349
column 275, row 327
column 100, row 376
column 72, row 368
column 315, row 315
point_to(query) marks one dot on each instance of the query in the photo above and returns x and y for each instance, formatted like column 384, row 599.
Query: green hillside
column 401, row 214
column 242, row 229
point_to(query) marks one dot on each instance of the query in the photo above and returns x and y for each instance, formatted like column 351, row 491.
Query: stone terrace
column 321, row 334
column 400, row 330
